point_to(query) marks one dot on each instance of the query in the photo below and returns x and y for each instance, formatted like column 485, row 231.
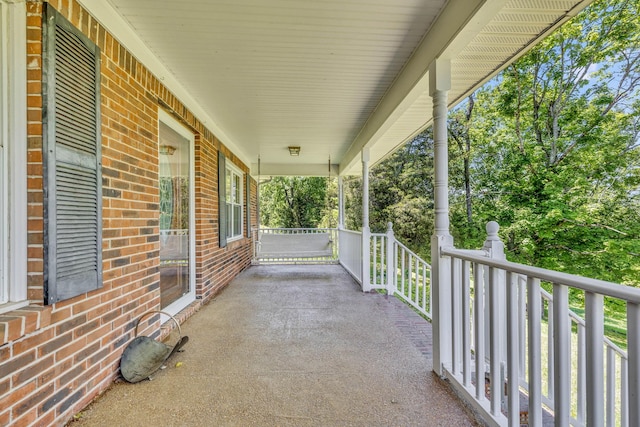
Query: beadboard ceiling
column 330, row 76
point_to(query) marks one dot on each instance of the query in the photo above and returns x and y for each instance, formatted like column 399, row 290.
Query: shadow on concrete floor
column 292, row 346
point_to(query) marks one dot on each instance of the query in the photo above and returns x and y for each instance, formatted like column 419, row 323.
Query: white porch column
column 340, row 203
column 439, row 85
column 366, row 231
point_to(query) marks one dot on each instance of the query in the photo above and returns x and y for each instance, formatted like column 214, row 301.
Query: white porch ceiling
column 332, row 76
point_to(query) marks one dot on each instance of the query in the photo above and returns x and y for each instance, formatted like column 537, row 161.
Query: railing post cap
column 492, row 230
column 389, row 226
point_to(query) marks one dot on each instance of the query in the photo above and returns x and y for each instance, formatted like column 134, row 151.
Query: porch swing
column 291, row 245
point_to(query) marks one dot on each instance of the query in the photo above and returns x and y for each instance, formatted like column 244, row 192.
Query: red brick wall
column 56, row 359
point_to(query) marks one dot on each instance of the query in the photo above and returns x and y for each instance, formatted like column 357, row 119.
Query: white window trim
column 13, row 138
column 233, row 168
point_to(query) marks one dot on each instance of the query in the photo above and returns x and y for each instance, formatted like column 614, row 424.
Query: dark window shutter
column 72, row 156
column 222, row 202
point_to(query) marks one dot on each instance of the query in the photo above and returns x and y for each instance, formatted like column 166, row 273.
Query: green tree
column 294, row 202
column 555, row 150
column 400, row 192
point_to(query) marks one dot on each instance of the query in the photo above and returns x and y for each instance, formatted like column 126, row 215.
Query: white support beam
column 340, row 203
column 366, row 231
column 365, row 187
column 440, row 83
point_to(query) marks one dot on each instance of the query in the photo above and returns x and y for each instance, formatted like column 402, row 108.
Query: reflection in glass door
column 175, row 217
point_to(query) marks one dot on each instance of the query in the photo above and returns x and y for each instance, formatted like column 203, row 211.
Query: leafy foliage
column 297, row 202
column 555, row 142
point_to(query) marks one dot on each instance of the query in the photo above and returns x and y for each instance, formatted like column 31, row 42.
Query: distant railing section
column 505, row 326
column 413, row 279
column 295, row 245
column 392, row 267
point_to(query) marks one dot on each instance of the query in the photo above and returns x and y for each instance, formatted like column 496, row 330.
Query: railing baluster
column 402, row 271
column 624, row 393
column 411, row 277
column 582, row 374
column 416, row 286
column 494, row 342
column 550, row 351
column 522, row 325
column 611, row 387
column 478, row 320
column 456, row 315
column 382, row 262
column 594, row 320
column 535, row 371
column 424, row 288
column 561, row 355
column 466, row 334
column 391, row 262
column 633, row 357
column 375, row 260
column 513, row 345
column 380, row 258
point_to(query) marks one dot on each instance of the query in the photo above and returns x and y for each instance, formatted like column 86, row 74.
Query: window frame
column 232, row 169
column 13, row 155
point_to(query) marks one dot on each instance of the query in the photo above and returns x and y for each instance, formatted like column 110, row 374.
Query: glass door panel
column 175, row 218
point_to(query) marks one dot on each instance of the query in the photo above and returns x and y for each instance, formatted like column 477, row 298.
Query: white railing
column 616, row 406
column 350, row 252
column 506, row 326
column 395, row 268
column 295, row 245
column 413, row 279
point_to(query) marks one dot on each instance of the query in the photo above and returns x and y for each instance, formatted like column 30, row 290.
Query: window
column 72, row 178
column 13, row 156
column 234, row 187
column 230, row 196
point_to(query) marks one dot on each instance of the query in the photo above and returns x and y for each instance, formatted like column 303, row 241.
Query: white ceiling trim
column 116, row 25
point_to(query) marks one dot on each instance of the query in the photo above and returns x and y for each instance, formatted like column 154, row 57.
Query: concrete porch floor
column 292, row 346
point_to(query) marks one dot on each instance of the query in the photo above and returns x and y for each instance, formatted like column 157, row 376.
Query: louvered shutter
column 72, row 155
column 222, row 200
column 248, row 206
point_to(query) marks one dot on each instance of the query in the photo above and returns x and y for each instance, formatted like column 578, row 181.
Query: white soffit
column 274, row 73
column 329, row 76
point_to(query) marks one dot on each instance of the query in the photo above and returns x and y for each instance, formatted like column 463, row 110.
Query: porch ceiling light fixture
column 294, row 150
column 167, row 150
